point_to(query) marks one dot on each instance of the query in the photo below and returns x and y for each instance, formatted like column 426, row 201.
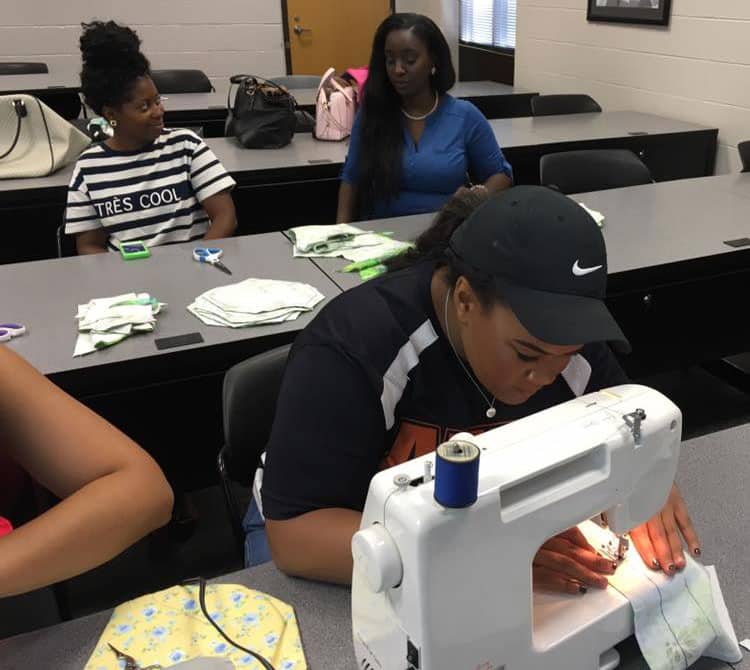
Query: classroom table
column 276, row 188
column 170, row 400
column 674, row 285
column 59, row 92
column 209, row 110
column 46, row 294
column 298, row 184
column 494, row 99
column 33, row 84
column 672, row 149
column 712, row 476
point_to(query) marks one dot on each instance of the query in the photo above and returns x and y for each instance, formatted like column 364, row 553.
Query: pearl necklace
column 424, row 116
column 491, row 411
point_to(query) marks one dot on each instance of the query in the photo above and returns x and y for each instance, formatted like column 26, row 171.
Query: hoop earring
column 113, row 123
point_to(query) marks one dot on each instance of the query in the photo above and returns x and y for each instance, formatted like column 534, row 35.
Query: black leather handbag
column 262, row 116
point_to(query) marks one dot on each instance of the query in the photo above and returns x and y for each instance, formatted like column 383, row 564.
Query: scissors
column 211, row 255
column 130, row 662
column 9, row 330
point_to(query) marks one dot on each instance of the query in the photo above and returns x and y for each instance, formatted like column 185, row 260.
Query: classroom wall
column 443, row 12
column 220, row 37
column 697, row 69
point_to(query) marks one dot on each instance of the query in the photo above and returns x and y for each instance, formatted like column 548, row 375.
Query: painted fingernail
column 655, row 563
column 582, row 589
column 697, row 551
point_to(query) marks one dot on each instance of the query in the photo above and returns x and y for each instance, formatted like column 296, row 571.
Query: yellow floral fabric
column 168, row 627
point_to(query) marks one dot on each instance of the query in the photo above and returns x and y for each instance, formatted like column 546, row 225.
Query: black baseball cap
column 548, row 260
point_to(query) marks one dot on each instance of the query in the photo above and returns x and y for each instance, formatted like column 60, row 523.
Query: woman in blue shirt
column 412, row 144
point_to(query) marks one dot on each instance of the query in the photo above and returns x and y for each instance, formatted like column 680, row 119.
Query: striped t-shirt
column 152, row 194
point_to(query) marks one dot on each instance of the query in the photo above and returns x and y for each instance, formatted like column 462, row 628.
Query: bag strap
column 20, row 109
column 328, row 76
column 324, row 80
column 343, row 90
column 239, row 79
column 49, row 137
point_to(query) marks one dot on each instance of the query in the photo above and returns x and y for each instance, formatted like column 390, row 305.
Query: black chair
column 249, row 399
column 66, row 244
column 181, row 81
column 592, row 170
column 66, row 103
column 744, row 149
column 549, row 105
column 23, row 68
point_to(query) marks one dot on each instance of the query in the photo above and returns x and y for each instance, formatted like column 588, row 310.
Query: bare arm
column 113, row 492
column 220, row 209
column 315, row 545
column 345, row 211
column 498, row 182
column 91, row 242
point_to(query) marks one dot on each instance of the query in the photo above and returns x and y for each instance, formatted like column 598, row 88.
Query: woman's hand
column 660, row 540
column 568, row 563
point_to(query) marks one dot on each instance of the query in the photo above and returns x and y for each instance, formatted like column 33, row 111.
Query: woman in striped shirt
column 145, row 182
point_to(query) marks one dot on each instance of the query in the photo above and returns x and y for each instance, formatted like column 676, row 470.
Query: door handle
column 298, row 29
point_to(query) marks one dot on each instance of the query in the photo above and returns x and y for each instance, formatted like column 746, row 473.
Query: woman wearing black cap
column 499, row 314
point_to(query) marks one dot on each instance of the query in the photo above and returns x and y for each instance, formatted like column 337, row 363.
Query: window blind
column 489, row 22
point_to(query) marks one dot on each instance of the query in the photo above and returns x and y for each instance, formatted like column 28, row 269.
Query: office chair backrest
column 66, row 244
column 250, row 392
column 66, row 103
column 293, row 81
column 181, row 81
column 548, row 105
column 744, row 149
column 592, row 170
column 23, row 68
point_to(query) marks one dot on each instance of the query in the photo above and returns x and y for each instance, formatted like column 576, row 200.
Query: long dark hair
column 382, row 145
column 112, row 63
column 433, row 244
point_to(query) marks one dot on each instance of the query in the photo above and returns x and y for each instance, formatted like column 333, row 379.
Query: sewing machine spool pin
column 633, row 420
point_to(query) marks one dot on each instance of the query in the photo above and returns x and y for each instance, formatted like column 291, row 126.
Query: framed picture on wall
column 654, row 12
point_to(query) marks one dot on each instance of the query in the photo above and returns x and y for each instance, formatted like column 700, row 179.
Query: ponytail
column 433, row 242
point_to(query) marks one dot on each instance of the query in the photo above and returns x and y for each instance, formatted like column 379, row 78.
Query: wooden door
column 332, row 33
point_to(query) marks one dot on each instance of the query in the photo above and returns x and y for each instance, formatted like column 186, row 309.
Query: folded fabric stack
column 343, row 240
column 103, row 322
column 255, row 302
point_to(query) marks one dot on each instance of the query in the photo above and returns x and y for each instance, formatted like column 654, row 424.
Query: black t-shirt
column 373, row 382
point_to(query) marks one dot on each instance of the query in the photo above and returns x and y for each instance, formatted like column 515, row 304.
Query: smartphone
column 135, row 249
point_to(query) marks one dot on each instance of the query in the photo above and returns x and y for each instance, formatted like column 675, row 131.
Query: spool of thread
column 457, row 473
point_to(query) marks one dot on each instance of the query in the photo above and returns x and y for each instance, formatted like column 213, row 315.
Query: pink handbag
column 335, row 107
column 359, row 74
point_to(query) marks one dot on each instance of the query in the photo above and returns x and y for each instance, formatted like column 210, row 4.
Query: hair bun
column 109, row 45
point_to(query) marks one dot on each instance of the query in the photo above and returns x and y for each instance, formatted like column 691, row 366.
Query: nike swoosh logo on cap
column 578, row 271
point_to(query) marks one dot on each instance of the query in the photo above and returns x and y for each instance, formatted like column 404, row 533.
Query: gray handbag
column 34, row 140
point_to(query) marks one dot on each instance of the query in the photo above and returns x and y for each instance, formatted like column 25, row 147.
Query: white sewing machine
column 438, row 588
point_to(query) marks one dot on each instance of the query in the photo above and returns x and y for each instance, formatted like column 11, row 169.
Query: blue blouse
column 456, row 139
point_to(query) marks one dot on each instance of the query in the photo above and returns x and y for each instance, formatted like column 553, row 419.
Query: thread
column 457, row 473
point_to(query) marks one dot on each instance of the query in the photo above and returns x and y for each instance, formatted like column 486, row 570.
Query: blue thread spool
column 457, row 473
